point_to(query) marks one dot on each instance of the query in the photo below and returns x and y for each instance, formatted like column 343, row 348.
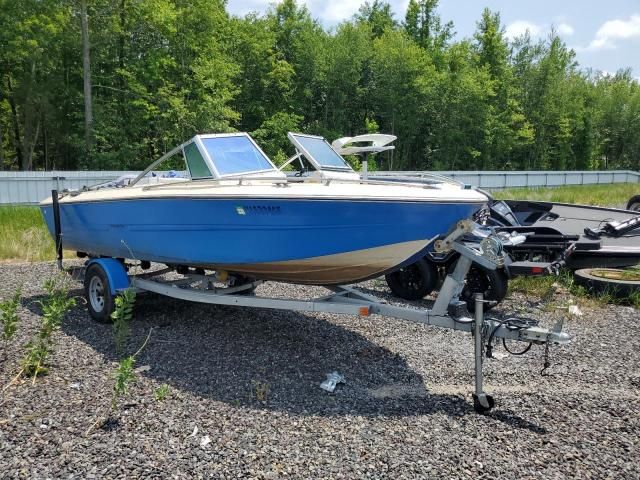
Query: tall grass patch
column 610, row 195
column 24, row 235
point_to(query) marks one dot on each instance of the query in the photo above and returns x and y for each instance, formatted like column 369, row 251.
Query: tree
column 378, row 15
column 618, row 121
column 423, row 24
column 86, row 69
column 507, row 131
column 546, row 74
column 398, row 65
column 347, row 101
column 156, row 72
column 33, row 38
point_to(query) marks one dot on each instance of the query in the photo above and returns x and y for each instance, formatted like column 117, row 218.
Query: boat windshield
column 235, row 155
column 317, row 150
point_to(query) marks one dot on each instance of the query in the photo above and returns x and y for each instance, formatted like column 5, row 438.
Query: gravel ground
column 404, row 412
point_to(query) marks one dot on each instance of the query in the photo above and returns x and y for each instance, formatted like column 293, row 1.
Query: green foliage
column 34, row 362
column 161, row 392
column 55, row 306
column 121, row 316
column 272, row 134
column 9, row 315
column 378, row 15
column 546, row 286
column 423, row 24
column 24, row 234
column 163, row 70
column 124, row 375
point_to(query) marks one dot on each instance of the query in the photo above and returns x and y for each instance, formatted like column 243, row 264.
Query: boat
column 599, row 237
column 229, row 209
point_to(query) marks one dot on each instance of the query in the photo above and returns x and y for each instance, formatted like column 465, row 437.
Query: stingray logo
column 240, row 211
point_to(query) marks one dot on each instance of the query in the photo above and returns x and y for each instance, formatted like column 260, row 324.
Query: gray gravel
column 404, row 412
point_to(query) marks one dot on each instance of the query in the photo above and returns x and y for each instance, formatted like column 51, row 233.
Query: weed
column 538, row 286
column 634, row 299
column 55, row 306
column 122, row 315
column 9, row 316
column 161, row 392
column 545, row 287
column 587, row 298
column 34, row 362
column 124, row 375
column 261, row 390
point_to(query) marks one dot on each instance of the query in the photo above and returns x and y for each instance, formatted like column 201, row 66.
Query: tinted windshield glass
column 322, row 152
column 235, row 155
column 197, row 166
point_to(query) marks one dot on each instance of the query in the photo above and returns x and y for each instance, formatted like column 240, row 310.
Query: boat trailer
column 104, row 278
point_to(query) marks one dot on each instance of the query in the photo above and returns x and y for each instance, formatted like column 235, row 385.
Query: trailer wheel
column 97, row 291
column 634, row 203
column 414, row 281
column 492, row 284
column 613, row 281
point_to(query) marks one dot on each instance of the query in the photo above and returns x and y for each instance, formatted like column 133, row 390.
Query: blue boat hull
column 268, row 238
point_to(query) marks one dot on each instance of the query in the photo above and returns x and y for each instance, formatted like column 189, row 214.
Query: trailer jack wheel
column 483, row 403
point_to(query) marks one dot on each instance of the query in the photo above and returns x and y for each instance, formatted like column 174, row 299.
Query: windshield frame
column 214, row 169
column 294, row 139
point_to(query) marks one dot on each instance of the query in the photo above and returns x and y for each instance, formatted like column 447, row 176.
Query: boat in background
column 230, row 209
column 599, row 237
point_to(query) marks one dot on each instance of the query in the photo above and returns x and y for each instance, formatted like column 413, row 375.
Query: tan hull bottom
column 335, row 269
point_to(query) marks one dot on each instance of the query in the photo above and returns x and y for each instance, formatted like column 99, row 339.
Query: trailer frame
column 448, row 310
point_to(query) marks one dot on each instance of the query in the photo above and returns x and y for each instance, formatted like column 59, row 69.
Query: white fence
column 31, row 187
column 518, row 179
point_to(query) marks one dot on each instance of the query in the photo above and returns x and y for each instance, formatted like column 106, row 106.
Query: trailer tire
column 493, row 285
column 97, row 291
column 414, row 281
column 611, row 281
column 634, row 203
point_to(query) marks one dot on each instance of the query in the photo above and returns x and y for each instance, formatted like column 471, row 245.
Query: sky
column 604, row 34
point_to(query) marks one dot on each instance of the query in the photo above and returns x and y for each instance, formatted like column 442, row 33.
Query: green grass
column 23, row 235
column 614, row 195
column 545, row 287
